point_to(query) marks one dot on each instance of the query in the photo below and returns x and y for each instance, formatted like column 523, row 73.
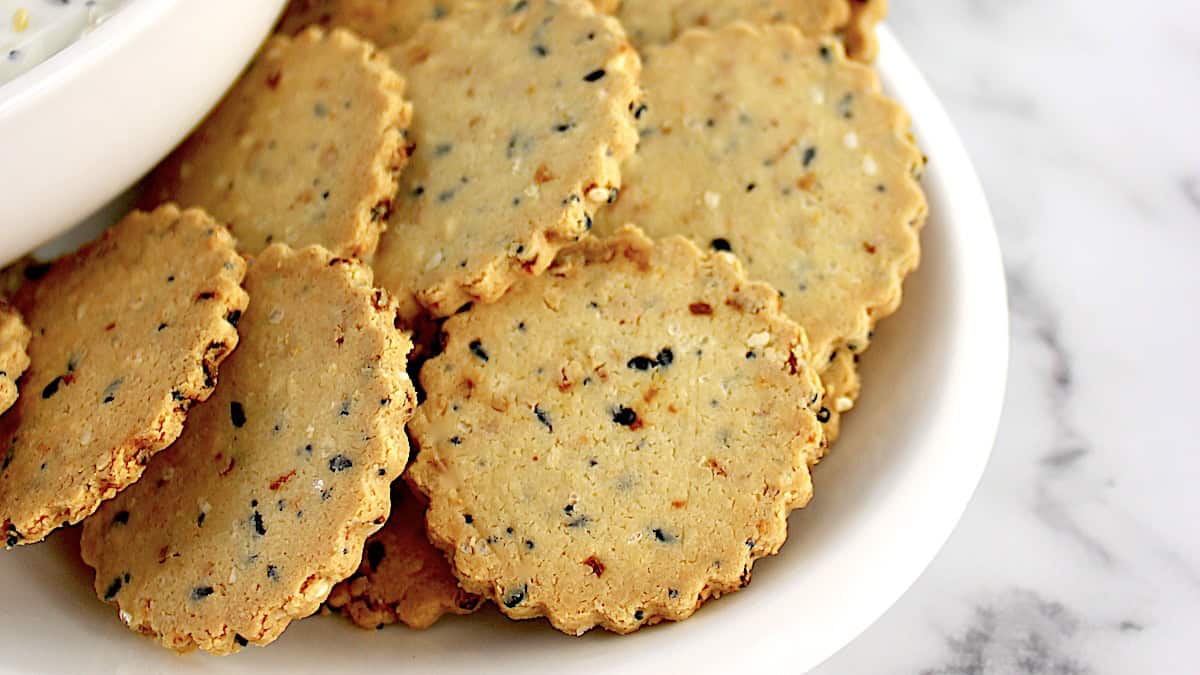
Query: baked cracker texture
column 385, row 22
column 305, row 149
column 658, row 417
column 656, row 22
column 127, row 334
column 264, row 503
column 402, row 578
column 14, row 359
column 859, row 34
column 775, row 147
column 524, row 112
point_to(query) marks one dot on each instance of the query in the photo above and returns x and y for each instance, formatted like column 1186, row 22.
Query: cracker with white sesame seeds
column 655, row 22
column 305, row 149
column 403, row 578
column 264, row 502
column 858, row 34
column 658, row 417
column 384, row 22
column 127, row 333
column 775, row 147
column 523, row 116
column 14, row 359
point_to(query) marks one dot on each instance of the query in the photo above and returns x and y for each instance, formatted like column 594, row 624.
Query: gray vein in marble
column 1191, row 191
column 1019, row 632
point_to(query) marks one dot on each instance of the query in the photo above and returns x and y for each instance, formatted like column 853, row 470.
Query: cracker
column 658, row 416
column 127, row 334
column 14, row 359
column 774, row 147
column 306, row 148
column 524, row 114
column 264, row 503
column 842, row 387
column 384, row 22
column 656, row 22
column 859, row 32
column 402, row 578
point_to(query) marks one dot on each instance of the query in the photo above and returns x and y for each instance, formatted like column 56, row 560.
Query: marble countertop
column 1081, row 551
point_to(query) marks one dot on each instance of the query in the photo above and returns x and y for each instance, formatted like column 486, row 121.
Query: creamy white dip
column 32, row 31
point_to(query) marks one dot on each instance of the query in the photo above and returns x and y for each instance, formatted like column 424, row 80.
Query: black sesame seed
column 624, row 416
column 529, row 544
column 339, row 463
column 639, row 111
column 666, row 357
column 516, row 596
column 540, row 50
column 639, row 615
column 272, row 573
column 113, row 589
column 543, row 417
column 641, row 363
column 823, row 415
column 52, row 388
column 201, row 592
column 237, row 414
column 809, row 155
column 121, row 518
column 826, row 55
column 663, row 536
column 476, row 348
column 236, row 315
column 259, row 528
column 468, row 518
column 200, row 519
column 455, row 440
column 594, row 76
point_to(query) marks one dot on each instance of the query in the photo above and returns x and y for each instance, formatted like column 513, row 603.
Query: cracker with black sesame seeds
column 264, row 503
column 774, row 147
column 523, row 116
column 14, row 359
column 305, row 149
column 858, row 34
column 384, row 22
column 402, row 578
column 655, row 22
column 619, row 439
column 126, row 334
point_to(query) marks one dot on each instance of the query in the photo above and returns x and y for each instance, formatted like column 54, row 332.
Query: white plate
column 86, row 124
column 886, row 500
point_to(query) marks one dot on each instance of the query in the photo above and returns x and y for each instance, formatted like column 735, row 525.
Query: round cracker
column 618, row 440
column 264, row 503
column 656, row 22
column 127, row 334
column 306, row 149
column 402, row 578
column 523, row 118
column 14, row 359
column 772, row 146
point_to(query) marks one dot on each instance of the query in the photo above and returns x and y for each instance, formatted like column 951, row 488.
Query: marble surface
column 1081, row 551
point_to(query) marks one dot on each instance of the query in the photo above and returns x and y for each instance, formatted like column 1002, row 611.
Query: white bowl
column 886, row 500
column 86, row 124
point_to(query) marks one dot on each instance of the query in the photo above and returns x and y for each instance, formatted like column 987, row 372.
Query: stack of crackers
column 631, row 252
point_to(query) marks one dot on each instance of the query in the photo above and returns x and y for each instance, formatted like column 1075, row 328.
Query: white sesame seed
column 759, row 340
column 598, row 195
column 843, row 403
column 712, row 200
column 869, row 165
column 851, row 140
